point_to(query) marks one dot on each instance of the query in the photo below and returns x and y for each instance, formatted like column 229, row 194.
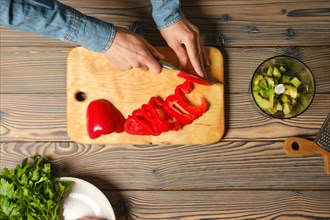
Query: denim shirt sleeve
column 54, row 19
column 166, row 12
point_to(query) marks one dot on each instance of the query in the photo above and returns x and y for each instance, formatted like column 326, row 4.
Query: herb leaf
column 30, row 192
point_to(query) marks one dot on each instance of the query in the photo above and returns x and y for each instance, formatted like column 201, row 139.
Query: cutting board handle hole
column 295, row 146
column 80, row 96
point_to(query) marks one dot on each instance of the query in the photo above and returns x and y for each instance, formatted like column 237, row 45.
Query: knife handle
column 295, row 146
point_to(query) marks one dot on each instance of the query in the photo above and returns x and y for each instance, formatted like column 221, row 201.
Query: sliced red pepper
column 150, row 119
column 147, row 120
column 186, row 88
column 148, row 115
column 133, row 126
column 160, row 118
column 137, row 124
column 171, row 107
column 103, row 118
column 195, row 79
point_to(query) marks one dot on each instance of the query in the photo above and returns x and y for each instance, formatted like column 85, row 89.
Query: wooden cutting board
column 91, row 76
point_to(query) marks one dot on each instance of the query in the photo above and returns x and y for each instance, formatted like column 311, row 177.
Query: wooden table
column 246, row 175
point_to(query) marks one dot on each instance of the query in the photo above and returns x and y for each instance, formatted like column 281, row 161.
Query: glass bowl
column 282, row 87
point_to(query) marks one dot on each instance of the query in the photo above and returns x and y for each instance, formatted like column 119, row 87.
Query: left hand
column 184, row 38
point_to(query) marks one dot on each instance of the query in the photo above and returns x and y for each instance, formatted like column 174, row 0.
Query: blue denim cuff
column 166, row 13
column 89, row 32
column 172, row 20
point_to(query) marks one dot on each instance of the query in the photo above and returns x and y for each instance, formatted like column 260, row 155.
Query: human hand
column 130, row 50
column 183, row 37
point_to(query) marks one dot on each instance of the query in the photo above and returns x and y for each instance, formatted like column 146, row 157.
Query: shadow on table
column 120, row 205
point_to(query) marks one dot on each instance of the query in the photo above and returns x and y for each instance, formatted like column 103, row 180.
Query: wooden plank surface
column 245, row 176
column 222, row 166
column 191, row 205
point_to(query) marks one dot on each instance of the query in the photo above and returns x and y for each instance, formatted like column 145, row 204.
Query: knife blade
column 169, row 66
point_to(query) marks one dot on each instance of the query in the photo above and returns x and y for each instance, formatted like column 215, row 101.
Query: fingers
column 154, row 51
column 195, row 54
column 130, row 50
column 184, row 38
column 182, row 55
column 144, row 68
column 151, row 61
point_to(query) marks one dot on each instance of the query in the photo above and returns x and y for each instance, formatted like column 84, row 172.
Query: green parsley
column 30, row 191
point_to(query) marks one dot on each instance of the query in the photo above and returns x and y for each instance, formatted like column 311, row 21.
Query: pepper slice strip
column 194, row 79
column 171, row 107
column 196, row 110
column 159, row 118
column 134, row 126
column 151, row 119
column 147, row 115
column 137, row 124
column 164, row 120
column 181, row 108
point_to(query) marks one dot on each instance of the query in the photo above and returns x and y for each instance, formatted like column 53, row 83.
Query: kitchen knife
column 295, row 146
column 169, row 66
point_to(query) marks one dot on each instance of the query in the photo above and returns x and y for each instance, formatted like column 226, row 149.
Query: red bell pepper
column 103, row 118
column 171, row 107
column 195, row 79
column 137, row 124
column 186, row 88
column 161, row 119
column 178, row 105
column 150, row 119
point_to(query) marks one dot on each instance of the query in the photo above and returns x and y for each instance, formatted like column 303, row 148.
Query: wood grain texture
column 233, row 205
column 42, row 117
column 222, row 23
column 222, row 166
column 43, row 70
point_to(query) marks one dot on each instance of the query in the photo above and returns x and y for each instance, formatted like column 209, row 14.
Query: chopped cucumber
column 282, row 69
column 284, row 98
column 257, row 79
column 270, row 71
column 270, row 81
column 296, row 82
column 265, row 104
column 277, row 73
column 286, row 108
column 279, row 106
column 291, row 91
column 264, row 85
column 285, row 79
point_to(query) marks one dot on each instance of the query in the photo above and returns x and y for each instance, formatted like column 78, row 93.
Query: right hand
column 184, row 38
column 130, row 50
